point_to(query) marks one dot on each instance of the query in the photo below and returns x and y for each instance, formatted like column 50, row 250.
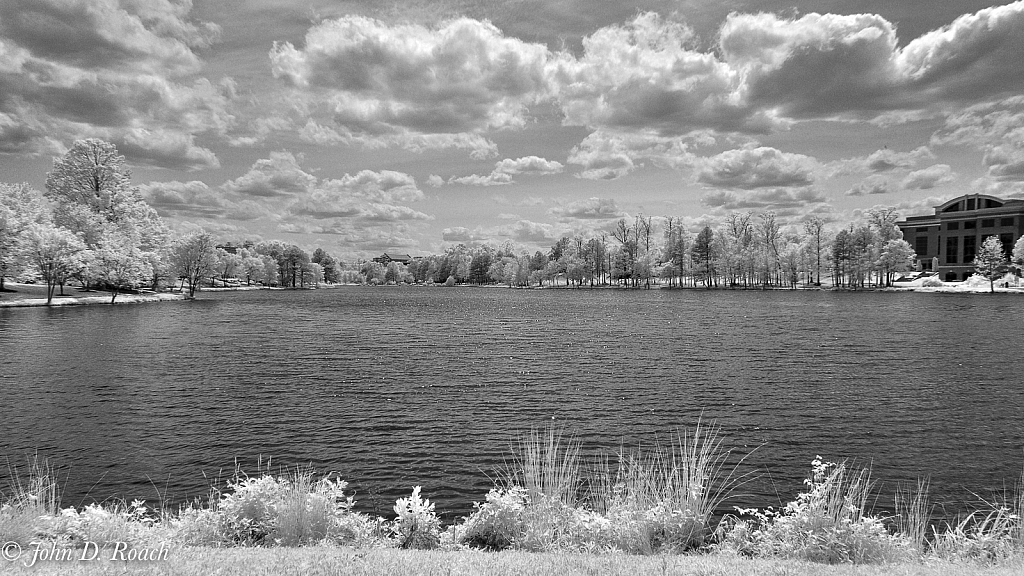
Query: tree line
column 91, row 226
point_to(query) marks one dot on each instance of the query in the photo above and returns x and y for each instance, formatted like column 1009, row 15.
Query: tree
column 896, row 256
column 119, row 263
column 1018, row 254
column 193, row 258
column 703, row 253
column 55, row 252
column 814, row 227
column 329, row 264
column 990, row 261
column 20, row 207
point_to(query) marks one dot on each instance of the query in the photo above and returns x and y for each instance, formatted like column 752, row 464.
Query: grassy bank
column 29, row 295
column 652, row 512
column 330, row 561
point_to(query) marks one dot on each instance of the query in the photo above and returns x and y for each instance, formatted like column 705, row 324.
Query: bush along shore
column 660, row 502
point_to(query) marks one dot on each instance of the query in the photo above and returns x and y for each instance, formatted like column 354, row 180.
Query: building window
column 1006, row 222
column 988, row 223
column 970, row 244
column 970, row 224
column 953, row 226
column 952, row 244
column 923, row 230
column 953, row 207
column 1007, row 240
column 970, row 203
column 921, row 245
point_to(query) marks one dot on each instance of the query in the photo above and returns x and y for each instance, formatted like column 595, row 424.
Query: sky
column 364, row 126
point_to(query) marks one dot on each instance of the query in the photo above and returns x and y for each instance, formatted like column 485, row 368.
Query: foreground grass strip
column 340, row 560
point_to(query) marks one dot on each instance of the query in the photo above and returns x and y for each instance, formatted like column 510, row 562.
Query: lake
column 400, row 386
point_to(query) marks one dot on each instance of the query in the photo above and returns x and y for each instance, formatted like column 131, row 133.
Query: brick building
column 947, row 241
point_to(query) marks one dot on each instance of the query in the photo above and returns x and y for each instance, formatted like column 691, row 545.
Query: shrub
column 827, row 524
column 496, row 524
column 932, row 282
column 289, row 511
column 417, row 526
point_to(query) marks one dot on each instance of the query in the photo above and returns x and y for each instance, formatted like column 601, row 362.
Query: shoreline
column 92, row 300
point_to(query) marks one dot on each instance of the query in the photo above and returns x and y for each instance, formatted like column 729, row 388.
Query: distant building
column 947, row 241
column 386, row 258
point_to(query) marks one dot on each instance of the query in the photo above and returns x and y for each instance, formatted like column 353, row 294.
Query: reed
column 913, row 514
column 29, row 495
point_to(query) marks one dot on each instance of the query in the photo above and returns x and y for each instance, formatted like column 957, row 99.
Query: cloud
column 768, row 71
column 884, row 160
column 977, row 55
column 645, row 75
column 606, row 156
column 382, row 81
column 777, row 199
column 591, row 209
column 929, row 177
column 367, row 195
column 505, row 169
column 462, row 234
column 870, row 186
column 123, row 71
column 983, row 125
column 435, row 181
column 277, row 176
column 195, row 199
column 873, row 184
column 531, row 232
column 756, row 167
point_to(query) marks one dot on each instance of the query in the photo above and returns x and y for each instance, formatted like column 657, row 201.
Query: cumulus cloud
column 871, row 185
column 505, row 169
column 531, row 232
column 590, row 209
column 120, row 70
column 778, row 199
column 646, row 75
column 368, row 195
column 756, row 167
column 277, row 176
column 606, row 156
column 386, row 81
column 929, row 177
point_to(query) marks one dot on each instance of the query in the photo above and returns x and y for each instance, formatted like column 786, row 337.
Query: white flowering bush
column 496, row 524
column 827, row 524
column 287, row 511
column 132, row 523
column 417, row 526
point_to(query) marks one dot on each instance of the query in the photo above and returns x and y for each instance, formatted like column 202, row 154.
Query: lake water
column 395, row 387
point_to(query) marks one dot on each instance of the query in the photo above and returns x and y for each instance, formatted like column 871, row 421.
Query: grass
column 324, row 561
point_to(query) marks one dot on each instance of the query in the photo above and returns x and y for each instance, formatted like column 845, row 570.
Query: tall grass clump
column 666, row 499
column 994, row 533
column 26, row 499
column 913, row 515
column 662, row 500
column 829, row 523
